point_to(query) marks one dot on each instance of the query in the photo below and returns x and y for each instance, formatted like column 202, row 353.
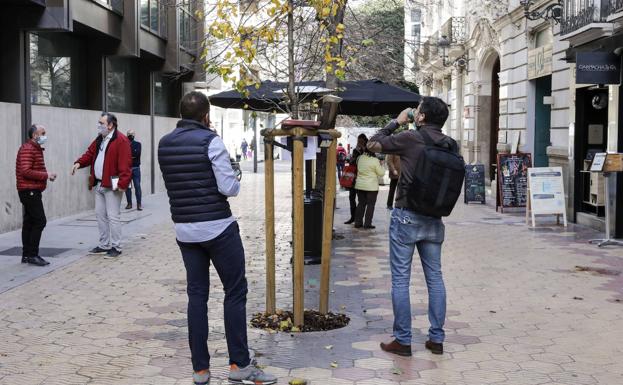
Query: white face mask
column 102, row 129
column 42, row 139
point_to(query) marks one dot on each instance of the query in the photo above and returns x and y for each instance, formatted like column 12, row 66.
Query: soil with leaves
column 314, row 321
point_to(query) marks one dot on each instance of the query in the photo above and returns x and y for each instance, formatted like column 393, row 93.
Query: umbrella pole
column 269, row 189
column 299, row 220
column 327, row 230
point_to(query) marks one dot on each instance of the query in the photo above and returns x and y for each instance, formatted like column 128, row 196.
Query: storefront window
column 154, row 16
column 165, row 93
column 122, row 79
column 57, row 71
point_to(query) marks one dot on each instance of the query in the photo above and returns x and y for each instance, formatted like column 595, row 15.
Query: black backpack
column 438, row 178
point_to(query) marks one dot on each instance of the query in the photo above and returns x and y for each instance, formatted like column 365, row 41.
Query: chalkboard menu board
column 474, row 183
column 513, row 179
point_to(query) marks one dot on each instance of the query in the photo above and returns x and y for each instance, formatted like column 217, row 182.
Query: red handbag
column 349, row 174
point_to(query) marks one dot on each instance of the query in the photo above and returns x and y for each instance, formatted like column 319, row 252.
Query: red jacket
column 341, row 150
column 30, row 167
column 117, row 161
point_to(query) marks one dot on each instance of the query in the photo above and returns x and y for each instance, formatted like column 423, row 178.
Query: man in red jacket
column 110, row 160
column 32, row 178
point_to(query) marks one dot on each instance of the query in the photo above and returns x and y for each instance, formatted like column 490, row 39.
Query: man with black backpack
column 430, row 182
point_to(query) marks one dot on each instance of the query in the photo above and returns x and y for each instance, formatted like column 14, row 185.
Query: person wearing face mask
column 32, row 177
column 199, row 178
column 110, row 160
column 135, row 147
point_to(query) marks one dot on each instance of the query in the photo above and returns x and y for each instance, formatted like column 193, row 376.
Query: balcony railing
column 615, row 6
column 454, row 30
column 580, row 13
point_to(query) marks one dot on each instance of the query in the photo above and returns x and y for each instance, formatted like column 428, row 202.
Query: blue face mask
column 42, row 139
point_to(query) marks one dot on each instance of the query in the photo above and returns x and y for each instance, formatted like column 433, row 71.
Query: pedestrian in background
column 243, row 147
column 32, row 176
column 135, row 147
column 109, row 159
column 362, row 141
column 341, row 155
column 410, row 229
column 199, row 178
column 369, row 170
column 393, row 165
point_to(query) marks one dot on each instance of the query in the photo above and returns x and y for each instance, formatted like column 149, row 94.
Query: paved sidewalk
column 519, row 311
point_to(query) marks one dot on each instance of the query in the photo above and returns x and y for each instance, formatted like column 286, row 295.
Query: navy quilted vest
column 188, row 175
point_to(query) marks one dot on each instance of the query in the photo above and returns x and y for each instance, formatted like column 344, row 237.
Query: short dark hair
column 363, row 137
column 435, row 110
column 110, row 118
column 32, row 130
column 194, row 106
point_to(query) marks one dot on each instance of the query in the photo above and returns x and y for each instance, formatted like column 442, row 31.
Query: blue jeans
column 227, row 254
column 408, row 230
column 136, row 181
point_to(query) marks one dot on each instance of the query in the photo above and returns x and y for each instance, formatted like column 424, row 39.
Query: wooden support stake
column 327, row 227
column 269, row 189
column 299, row 221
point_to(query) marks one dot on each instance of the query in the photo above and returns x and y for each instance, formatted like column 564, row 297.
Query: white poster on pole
column 546, row 192
column 308, row 154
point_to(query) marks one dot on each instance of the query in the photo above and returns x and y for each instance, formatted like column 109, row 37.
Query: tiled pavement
column 519, row 312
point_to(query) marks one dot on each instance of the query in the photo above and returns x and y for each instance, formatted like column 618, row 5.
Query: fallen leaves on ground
column 313, row 321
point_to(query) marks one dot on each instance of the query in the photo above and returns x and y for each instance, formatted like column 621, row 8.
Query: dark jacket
column 188, row 176
column 117, row 161
column 409, row 146
column 135, row 147
column 30, row 169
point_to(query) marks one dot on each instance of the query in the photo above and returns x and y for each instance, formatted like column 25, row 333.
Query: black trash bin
column 313, row 227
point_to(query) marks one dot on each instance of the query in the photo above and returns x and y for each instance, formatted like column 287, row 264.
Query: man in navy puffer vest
column 198, row 177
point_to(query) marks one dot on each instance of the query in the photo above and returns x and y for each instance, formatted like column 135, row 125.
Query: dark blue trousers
column 227, row 255
column 136, row 181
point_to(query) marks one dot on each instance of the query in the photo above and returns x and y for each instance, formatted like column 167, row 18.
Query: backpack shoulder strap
column 427, row 139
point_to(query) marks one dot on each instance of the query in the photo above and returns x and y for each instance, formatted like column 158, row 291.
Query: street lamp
column 444, row 44
column 551, row 12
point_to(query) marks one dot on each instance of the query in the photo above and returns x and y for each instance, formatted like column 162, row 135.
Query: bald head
column 35, row 131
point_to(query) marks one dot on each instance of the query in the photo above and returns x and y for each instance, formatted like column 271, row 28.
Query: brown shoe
column 434, row 347
column 397, row 348
column 139, row 207
column 128, row 206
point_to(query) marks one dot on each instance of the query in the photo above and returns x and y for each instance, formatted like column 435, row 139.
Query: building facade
column 64, row 62
column 511, row 78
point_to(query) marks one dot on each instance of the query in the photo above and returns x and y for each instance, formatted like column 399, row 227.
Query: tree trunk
column 328, row 122
column 294, row 105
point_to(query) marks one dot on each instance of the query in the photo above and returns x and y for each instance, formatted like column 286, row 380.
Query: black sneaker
column 24, row 259
column 37, row 261
column 434, row 347
column 98, row 250
column 114, row 252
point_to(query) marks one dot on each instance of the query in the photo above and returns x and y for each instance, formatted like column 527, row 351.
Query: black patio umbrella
column 359, row 97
